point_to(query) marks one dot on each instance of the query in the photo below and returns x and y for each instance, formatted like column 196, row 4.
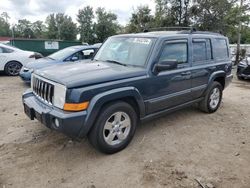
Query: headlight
column 25, row 69
column 59, row 95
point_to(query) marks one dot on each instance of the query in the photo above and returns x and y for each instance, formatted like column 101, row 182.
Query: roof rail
column 190, row 29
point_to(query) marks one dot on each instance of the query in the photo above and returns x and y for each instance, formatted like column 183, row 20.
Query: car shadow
column 2, row 73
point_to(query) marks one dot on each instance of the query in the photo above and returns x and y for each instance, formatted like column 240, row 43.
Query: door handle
column 186, row 73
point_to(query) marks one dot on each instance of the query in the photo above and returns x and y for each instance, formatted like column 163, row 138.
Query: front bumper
column 70, row 123
column 25, row 76
column 243, row 71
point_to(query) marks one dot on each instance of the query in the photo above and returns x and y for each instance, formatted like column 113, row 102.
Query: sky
column 34, row 10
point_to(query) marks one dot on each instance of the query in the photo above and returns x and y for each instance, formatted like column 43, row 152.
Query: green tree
column 52, row 30
column 61, row 26
column 4, row 25
column 141, row 19
column 23, row 29
column 169, row 13
column 210, row 14
column 106, row 24
column 39, row 29
column 245, row 39
column 219, row 16
column 85, row 19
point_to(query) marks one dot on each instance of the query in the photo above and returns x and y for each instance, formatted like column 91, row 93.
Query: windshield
column 125, row 50
column 62, row 54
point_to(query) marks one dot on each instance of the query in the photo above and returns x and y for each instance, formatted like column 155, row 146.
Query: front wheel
column 12, row 68
column 213, row 98
column 114, row 128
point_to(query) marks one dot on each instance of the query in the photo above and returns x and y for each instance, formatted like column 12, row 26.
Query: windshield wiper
column 116, row 62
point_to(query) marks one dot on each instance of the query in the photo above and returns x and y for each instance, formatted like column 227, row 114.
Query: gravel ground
column 182, row 149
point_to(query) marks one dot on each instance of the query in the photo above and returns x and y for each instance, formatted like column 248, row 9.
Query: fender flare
column 213, row 76
column 99, row 100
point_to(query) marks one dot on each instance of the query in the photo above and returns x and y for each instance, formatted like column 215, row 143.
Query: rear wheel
column 12, row 68
column 114, row 128
column 212, row 100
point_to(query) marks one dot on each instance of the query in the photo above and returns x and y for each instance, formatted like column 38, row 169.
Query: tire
column 12, row 68
column 215, row 92
column 110, row 137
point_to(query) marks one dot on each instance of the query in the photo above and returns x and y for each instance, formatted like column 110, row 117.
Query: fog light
column 57, row 124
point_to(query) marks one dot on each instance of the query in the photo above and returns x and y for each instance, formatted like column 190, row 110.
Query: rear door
column 202, row 65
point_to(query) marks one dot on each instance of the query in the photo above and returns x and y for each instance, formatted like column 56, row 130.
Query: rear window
column 201, row 50
column 220, row 49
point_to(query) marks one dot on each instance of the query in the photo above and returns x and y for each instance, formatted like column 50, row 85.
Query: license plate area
column 38, row 117
column 32, row 114
column 29, row 112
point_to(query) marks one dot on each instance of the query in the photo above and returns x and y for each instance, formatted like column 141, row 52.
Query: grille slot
column 43, row 89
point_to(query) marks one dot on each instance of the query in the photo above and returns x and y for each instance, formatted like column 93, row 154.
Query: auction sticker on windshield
column 142, row 40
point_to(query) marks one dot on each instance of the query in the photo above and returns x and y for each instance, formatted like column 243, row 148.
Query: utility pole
column 186, row 2
column 237, row 59
column 180, row 12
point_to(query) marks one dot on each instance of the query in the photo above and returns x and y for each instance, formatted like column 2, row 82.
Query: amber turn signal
column 76, row 106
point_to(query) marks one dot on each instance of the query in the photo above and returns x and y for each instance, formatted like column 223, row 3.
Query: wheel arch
column 9, row 61
column 219, row 76
column 127, row 94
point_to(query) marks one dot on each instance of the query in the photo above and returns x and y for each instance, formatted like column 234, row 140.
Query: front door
column 171, row 88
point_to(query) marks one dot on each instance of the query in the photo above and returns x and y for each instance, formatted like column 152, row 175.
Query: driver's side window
column 175, row 51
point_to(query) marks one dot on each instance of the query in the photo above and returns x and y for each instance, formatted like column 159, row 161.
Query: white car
column 12, row 59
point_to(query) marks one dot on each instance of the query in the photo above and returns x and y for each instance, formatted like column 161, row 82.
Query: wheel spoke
column 118, row 117
column 110, row 137
column 125, row 123
column 121, row 136
column 108, row 126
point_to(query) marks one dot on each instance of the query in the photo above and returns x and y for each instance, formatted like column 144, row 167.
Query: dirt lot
column 174, row 151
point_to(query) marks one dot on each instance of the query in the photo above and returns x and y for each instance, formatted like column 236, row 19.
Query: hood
column 40, row 63
column 84, row 74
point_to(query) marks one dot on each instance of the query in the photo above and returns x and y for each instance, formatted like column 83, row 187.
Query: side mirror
column 165, row 65
column 74, row 58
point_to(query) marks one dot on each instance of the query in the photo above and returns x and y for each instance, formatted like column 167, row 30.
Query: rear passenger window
column 175, row 51
column 201, row 50
column 220, row 49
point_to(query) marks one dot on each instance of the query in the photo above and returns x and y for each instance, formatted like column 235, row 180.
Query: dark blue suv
column 133, row 78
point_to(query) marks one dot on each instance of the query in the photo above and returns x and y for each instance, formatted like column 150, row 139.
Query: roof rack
column 190, row 29
column 183, row 30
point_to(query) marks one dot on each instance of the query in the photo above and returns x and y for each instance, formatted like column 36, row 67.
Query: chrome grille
column 42, row 89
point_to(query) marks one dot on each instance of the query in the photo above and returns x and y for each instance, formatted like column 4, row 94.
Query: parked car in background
column 132, row 78
column 12, row 59
column 243, row 68
column 66, row 55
